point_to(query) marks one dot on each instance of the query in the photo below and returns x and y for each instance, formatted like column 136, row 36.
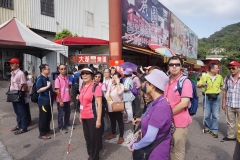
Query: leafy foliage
column 64, row 33
column 227, row 38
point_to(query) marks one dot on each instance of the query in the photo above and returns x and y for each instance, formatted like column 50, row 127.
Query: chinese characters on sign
column 92, row 59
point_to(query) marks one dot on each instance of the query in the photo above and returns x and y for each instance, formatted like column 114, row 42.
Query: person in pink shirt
column 91, row 113
column 18, row 82
column 63, row 99
column 179, row 105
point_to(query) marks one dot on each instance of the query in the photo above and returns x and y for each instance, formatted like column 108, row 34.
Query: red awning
column 81, row 41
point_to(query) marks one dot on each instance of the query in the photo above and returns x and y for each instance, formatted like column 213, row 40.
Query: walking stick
column 205, row 103
column 52, row 112
column 69, row 143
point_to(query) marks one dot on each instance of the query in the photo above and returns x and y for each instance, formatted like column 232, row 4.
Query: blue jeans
column 212, row 111
column 21, row 112
column 63, row 111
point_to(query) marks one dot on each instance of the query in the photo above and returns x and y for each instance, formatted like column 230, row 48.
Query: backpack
column 228, row 77
column 193, row 105
column 134, row 89
column 34, row 95
column 76, row 84
column 104, row 101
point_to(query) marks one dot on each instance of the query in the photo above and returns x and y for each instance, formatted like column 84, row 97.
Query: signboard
column 183, row 41
column 116, row 64
column 92, row 59
column 145, row 22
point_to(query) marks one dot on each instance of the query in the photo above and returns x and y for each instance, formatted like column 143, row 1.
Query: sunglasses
column 62, row 68
column 87, row 73
column 231, row 68
column 98, row 77
column 174, row 64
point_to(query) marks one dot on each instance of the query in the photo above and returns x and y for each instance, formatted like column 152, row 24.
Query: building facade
column 46, row 17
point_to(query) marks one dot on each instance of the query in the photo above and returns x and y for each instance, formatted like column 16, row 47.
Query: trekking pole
column 205, row 103
column 69, row 143
column 52, row 112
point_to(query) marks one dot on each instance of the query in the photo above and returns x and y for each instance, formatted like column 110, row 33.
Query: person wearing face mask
column 115, row 94
column 231, row 99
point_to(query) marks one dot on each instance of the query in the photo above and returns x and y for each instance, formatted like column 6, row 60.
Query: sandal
column 44, row 137
column 15, row 129
column 19, row 132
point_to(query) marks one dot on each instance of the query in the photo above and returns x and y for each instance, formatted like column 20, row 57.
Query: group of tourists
column 109, row 99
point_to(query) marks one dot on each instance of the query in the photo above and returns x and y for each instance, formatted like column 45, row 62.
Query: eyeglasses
column 62, row 68
column 98, row 77
column 231, row 68
column 174, row 64
column 87, row 73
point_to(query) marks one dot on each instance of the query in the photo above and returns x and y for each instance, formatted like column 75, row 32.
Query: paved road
column 28, row 147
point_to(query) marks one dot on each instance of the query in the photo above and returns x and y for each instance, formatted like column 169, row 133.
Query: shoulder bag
column 117, row 106
column 14, row 95
column 144, row 153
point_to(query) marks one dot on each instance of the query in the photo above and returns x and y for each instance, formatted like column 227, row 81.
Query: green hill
column 227, row 38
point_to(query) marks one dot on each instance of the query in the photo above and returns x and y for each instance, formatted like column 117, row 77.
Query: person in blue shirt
column 44, row 88
column 74, row 80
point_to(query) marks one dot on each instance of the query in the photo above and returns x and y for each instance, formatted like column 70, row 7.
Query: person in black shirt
column 44, row 87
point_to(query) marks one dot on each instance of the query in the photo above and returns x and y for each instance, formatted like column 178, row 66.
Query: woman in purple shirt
column 157, row 120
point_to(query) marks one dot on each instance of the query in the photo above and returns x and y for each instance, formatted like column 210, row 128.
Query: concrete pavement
column 28, row 146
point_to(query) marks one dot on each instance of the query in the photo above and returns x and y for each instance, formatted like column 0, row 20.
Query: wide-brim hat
column 158, row 78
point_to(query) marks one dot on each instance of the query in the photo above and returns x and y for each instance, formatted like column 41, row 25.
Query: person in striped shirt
column 231, row 99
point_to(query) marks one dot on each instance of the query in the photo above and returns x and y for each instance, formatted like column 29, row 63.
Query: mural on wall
column 145, row 22
column 183, row 41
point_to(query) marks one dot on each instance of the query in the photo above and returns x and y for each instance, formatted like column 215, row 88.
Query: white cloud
column 213, row 9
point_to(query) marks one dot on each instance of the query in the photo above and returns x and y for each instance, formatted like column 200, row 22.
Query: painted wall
column 145, row 22
column 183, row 41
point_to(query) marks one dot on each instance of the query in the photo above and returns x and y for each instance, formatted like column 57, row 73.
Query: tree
column 64, row 33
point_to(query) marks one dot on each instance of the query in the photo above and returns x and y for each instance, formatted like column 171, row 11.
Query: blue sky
column 204, row 17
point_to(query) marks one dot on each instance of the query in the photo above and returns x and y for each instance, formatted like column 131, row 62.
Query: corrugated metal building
column 87, row 18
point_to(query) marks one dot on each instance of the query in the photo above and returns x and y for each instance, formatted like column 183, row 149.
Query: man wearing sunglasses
column 231, row 99
column 63, row 99
column 211, row 84
column 178, row 104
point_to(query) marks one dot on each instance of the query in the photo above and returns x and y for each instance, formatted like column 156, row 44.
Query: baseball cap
column 14, row 60
column 233, row 63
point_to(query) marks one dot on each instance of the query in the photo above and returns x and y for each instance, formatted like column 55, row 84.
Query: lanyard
column 234, row 83
column 14, row 74
column 152, row 104
column 106, row 84
column 83, row 94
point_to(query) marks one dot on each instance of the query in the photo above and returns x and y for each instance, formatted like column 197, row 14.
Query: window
column 6, row 4
column 47, row 7
column 89, row 19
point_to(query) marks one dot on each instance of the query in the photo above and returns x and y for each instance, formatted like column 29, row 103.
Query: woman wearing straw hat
column 156, row 122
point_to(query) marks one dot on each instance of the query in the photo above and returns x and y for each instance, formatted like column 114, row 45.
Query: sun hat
column 233, row 63
column 128, row 71
column 87, row 69
column 14, row 60
column 158, row 78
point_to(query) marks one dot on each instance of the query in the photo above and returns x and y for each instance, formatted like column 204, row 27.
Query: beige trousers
column 179, row 142
column 231, row 116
